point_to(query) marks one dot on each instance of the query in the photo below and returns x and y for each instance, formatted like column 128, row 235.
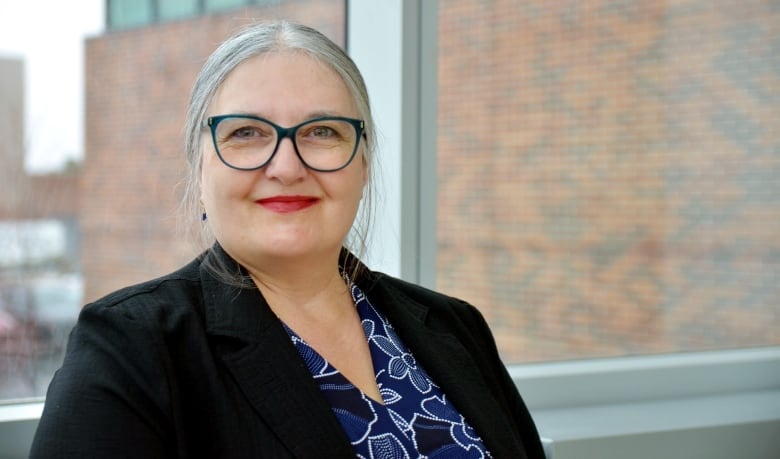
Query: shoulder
column 431, row 306
column 416, row 292
column 121, row 365
column 158, row 300
column 133, row 331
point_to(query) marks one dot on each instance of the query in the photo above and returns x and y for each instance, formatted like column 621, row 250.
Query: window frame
column 402, row 83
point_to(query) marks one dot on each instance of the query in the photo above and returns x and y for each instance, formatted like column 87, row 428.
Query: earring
column 203, row 212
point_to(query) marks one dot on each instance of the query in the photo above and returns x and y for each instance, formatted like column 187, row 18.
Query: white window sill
column 708, row 405
column 18, row 421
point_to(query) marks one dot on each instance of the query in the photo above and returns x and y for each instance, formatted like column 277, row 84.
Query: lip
column 286, row 204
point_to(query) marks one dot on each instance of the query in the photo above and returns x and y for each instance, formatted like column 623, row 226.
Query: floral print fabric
column 415, row 421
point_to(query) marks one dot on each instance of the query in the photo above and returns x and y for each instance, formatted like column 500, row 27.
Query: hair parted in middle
column 257, row 39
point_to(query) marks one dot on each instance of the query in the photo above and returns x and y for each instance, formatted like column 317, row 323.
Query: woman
column 277, row 341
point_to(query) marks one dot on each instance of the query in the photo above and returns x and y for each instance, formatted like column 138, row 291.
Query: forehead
column 283, row 83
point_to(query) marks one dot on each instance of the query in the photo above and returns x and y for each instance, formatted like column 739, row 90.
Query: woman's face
column 283, row 210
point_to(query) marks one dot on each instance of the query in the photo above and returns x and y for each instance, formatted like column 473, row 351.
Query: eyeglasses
column 247, row 142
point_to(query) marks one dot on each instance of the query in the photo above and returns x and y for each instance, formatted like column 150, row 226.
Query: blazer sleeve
column 108, row 398
column 503, row 385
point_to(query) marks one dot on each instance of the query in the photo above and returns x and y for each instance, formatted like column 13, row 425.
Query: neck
column 301, row 286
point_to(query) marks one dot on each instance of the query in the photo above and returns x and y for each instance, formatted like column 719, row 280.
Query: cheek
column 357, row 186
column 219, row 181
column 364, row 166
column 207, row 178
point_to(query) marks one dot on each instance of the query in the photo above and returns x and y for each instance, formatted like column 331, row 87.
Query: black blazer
column 188, row 366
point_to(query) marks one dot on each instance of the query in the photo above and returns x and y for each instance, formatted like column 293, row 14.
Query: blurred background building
column 40, row 279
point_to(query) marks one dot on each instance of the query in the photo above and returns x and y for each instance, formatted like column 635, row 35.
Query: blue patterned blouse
column 415, row 421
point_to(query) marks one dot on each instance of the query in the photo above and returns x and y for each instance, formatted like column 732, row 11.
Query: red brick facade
column 609, row 173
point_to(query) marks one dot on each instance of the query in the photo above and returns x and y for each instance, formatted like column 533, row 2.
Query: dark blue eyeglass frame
column 281, row 133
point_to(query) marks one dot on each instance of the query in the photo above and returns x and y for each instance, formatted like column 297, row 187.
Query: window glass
column 220, row 5
column 41, row 149
column 91, row 148
column 129, row 13
column 174, row 9
column 609, row 173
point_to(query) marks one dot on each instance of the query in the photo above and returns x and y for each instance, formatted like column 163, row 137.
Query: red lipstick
column 286, row 204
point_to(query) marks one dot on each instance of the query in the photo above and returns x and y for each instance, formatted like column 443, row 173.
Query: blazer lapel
column 450, row 366
column 266, row 366
column 276, row 382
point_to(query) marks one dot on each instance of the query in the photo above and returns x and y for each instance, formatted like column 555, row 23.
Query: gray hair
column 256, row 39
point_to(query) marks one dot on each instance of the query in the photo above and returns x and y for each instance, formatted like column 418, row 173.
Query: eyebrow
column 309, row 116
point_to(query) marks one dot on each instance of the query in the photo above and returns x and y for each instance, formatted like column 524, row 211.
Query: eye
column 326, row 131
column 242, row 129
column 245, row 132
column 322, row 132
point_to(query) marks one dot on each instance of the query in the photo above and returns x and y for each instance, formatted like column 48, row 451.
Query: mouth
column 287, row 204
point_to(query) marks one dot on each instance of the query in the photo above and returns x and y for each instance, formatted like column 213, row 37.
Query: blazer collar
column 257, row 351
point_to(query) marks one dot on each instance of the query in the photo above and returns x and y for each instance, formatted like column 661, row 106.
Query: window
column 585, row 408
column 123, row 14
column 629, row 147
column 609, row 174
column 221, row 5
column 91, row 206
column 175, row 9
column 41, row 148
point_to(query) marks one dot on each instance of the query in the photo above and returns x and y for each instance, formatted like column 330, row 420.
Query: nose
column 285, row 165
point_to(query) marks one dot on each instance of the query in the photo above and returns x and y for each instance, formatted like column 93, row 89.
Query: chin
column 286, row 249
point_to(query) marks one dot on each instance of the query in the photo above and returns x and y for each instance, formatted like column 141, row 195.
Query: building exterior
column 606, row 185
column 137, row 91
column 26, row 197
column 609, row 173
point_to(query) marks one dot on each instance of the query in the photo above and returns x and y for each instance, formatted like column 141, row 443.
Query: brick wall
column 138, row 84
column 610, row 173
